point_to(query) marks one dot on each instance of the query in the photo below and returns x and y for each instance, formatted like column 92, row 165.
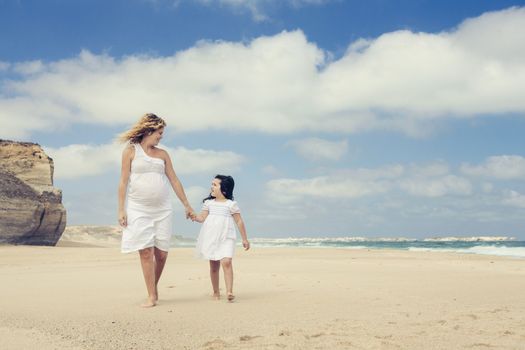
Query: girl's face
column 155, row 136
column 216, row 189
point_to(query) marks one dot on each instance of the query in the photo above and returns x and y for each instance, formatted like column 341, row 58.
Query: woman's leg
column 147, row 261
column 160, row 261
column 228, row 276
column 215, row 266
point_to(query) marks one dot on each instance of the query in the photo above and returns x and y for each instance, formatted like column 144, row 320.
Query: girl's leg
column 160, row 261
column 228, row 276
column 215, row 265
column 148, row 269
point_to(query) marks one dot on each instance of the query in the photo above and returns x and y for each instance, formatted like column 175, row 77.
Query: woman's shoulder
column 160, row 151
column 129, row 146
column 129, row 150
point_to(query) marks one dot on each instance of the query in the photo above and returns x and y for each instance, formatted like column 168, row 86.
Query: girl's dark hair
column 227, row 185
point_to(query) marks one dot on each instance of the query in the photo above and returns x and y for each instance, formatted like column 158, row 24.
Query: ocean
column 500, row 246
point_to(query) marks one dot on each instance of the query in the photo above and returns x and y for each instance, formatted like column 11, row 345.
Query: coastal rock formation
column 31, row 210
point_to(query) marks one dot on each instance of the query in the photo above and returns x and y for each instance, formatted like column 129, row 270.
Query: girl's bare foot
column 150, row 302
column 231, row 297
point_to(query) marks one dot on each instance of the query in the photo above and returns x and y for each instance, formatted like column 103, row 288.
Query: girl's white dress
column 217, row 235
column 149, row 208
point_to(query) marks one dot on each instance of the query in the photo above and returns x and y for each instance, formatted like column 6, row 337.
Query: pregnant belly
column 149, row 189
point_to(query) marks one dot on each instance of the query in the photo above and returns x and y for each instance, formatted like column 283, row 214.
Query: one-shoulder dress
column 148, row 205
column 218, row 234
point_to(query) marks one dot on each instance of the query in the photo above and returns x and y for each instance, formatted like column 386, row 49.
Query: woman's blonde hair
column 147, row 124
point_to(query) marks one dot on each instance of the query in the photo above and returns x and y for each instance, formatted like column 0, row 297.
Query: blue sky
column 336, row 118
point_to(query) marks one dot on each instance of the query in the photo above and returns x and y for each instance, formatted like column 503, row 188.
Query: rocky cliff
column 31, row 210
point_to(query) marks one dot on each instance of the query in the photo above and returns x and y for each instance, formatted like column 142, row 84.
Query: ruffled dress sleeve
column 206, row 205
column 234, row 208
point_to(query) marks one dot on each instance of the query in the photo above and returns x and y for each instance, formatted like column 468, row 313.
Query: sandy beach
column 86, row 295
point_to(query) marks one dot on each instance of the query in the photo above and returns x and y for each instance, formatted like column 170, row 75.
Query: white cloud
column 30, row 67
column 271, row 170
column 257, row 8
column 324, row 187
column 437, row 187
column 191, row 161
column 284, row 83
column 422, row 181
column 514, row 199
column 319, row 149
column 4, row 66
column 504, row 167
column 500, row 29
column 487, row 187
column 385, row 172
column 438, row 168
column 433, row 180
column 76, row 161
column 346, row 184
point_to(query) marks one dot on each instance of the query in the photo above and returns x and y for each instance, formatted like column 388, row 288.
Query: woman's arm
column 242, row 229
column 176, row 184
column 127, row 156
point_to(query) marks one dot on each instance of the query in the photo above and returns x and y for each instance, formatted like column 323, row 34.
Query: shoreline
column 116, row 247
column 494, row 245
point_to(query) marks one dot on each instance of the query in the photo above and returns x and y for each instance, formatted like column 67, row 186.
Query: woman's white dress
column 149, row 208
column 217, row 235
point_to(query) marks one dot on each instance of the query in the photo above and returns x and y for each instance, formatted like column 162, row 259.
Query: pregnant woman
column 146, row 216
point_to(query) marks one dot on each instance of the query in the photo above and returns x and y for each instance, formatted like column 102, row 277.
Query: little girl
column 216, row 241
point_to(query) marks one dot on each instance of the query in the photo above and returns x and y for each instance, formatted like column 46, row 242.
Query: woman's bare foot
column 231, row 297
column 150, row 302
column 216, row 296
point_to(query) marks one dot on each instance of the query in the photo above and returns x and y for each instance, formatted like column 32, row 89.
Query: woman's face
column 155, row 136
column 216, row 189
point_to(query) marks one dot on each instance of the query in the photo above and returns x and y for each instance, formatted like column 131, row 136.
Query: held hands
column 194, row 217
column 246, row 244
column 189, row 213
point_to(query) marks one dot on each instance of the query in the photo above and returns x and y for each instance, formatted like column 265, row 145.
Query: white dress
column 149, row 208
column 217, row 235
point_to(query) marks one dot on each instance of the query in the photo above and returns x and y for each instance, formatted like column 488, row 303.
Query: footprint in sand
column 497, row 310
column 485, row 345
column 215, row 344
column 249, row 337
column 317, row 335
column 346, row 344
column 384, row 336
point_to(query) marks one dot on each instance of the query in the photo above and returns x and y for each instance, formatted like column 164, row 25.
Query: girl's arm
column 176, row 185
column 240, row 224
column 127, row 156
column 201, row 217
